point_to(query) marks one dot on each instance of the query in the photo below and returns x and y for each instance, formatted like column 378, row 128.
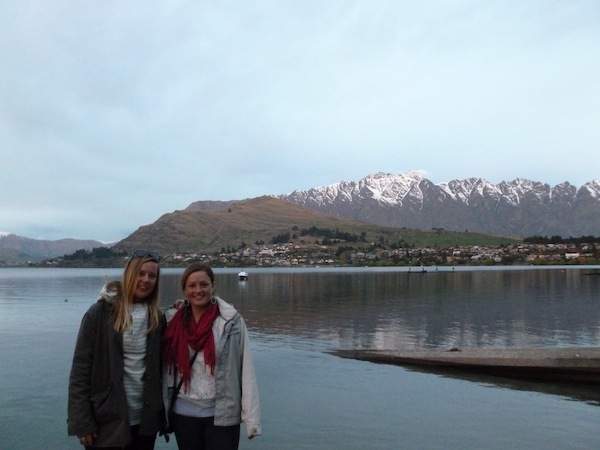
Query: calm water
column 313, row 400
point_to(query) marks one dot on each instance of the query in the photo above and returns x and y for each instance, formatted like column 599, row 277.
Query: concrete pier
column 567, row 365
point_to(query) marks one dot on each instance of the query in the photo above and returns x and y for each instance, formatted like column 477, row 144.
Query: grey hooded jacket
column 235, row 380
column 97, row 399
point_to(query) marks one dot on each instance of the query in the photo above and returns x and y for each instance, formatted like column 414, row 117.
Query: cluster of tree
column 382, row 242
column 95, row 253
column 400, row 243
column 561, row 240
column 281, row 238
column 330, row 234
column 231, row 249
column 343, row 249
column 334, row 236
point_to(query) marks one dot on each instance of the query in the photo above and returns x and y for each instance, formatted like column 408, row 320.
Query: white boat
column 243, row 276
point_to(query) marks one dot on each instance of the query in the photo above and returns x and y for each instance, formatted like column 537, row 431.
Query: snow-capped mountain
column 511, row 208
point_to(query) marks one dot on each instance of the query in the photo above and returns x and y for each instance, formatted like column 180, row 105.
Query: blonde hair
column 122, row 316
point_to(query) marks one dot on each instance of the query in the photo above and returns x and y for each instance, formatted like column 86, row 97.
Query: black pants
column 200, row 433
column 138, row 442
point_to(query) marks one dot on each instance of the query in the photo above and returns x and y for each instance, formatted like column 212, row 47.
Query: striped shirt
column 134, row 354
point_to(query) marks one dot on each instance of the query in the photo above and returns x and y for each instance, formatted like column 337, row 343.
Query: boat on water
column 243, row 276
column 568, row 365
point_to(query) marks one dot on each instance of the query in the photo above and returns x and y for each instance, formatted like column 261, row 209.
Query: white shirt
column 134, row 354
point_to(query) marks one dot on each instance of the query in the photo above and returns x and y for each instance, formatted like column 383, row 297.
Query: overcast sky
column 113, row 113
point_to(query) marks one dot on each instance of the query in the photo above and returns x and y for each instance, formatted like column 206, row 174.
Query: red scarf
column 197, row 335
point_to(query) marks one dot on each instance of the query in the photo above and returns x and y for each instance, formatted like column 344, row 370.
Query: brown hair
column 197, row 267
column 122, row 320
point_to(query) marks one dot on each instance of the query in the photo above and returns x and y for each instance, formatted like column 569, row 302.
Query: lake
column 314, row 400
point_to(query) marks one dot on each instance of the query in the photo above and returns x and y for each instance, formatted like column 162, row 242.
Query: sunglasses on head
column 145, row 254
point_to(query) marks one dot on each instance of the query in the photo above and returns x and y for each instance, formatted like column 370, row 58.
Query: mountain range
column 16, row 249
column 516, row 208
column 382, row 206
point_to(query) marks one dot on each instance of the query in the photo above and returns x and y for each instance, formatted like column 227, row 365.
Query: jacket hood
column 226, row 310
column 111, row 292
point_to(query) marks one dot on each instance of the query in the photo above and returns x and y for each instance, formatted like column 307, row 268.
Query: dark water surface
column 313, row 400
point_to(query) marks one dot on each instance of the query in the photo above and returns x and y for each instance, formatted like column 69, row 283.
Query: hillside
column 210, row 229
column 16, row 249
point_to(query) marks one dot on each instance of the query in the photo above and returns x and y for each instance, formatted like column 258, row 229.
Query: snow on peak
column 385, row 177
column 391, row 188
column 4, row 234
column 564, row 191
column 462, row 190
column 381, row 186
column 593, row 187
column 396, row 189
column 514, row 191
column 564, row 185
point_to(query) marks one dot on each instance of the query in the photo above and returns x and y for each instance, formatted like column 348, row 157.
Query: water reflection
column 403, row 310
column 587, row 393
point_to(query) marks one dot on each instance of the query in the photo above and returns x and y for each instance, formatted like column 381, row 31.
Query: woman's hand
column 178, row 303
column 88, row 439
column 252, row 433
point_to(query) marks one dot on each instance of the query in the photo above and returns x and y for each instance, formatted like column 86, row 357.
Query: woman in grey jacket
column 115, row 387
column 207, row 354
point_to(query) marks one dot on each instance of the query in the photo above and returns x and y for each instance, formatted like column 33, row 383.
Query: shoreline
column 412, row 270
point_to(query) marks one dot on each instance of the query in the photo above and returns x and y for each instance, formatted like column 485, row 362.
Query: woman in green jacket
column 115, row 398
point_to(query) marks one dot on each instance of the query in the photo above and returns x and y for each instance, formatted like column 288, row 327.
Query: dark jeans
column 200, row 433
column 139, row 442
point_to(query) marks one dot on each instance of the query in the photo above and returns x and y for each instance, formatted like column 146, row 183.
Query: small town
column 292, row 254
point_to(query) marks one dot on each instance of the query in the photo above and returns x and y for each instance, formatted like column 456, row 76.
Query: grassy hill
column 261, row 219
column 16, row 249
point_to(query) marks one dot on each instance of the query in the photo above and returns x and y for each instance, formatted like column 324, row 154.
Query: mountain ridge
column 517, row 208
column 15, row 249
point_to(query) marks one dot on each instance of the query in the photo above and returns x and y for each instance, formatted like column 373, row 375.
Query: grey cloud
column 131, row 110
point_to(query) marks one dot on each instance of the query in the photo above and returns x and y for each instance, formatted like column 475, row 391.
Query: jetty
column 574, row 365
